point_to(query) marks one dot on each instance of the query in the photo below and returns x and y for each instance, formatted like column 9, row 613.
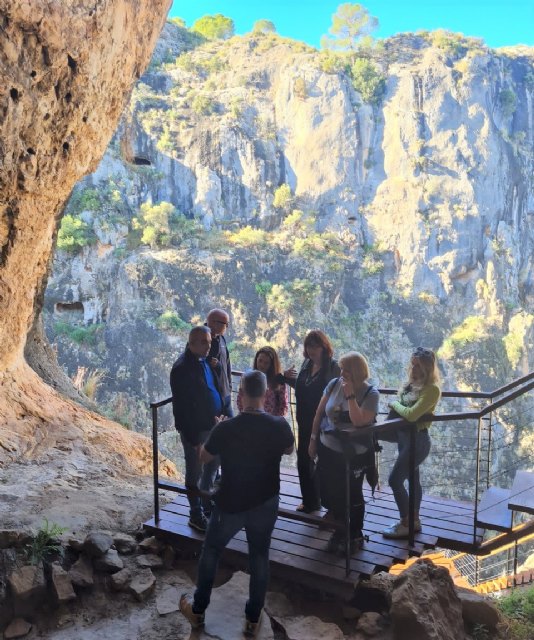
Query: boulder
column 142, row 584
column 150, row 545
column 28, row 582
column 278, row 604
column 13, row 538
column 76, row 544
column 62, row 584
column 310, row 628
column 97, row 543
column 110, row 562
column 168, row 555
column 476, row 609
column 424, row 604
column 119, row 581
column 81, row 573
column 150, row 560
column 124, row 543
column 18, row 628
column 168, row 600
column 225, row 615
column 371, row 624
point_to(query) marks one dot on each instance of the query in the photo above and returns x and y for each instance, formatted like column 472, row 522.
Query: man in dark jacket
column 219, row 357
column 197, row 406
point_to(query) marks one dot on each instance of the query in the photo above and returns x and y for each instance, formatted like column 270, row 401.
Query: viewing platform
column 496, row 521
column 298, row 546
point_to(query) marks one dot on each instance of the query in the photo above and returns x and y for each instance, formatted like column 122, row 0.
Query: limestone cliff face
column 66, row 71
column 414, row 212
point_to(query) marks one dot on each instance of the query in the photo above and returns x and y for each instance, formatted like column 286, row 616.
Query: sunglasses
column 421, row 352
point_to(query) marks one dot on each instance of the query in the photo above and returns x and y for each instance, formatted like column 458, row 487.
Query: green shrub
column 247, row 237
column 45, row 542
column 84, row 199
column 80, row 335
column 153, row 222
column 507, row 102
column 74, row 234
column 332, row 62
column 518, row 607
column 179, row 22
column 170, row 322
column 368, row 81
column 264, row 288
column 203, row 105
column 472, row 329
column 282, row 197
column 300, row 89
column 263, row 26
column 216, row 27
column 372, row 265
column 298, row 294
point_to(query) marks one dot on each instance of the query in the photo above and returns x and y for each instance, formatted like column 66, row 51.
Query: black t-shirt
column 250, row 446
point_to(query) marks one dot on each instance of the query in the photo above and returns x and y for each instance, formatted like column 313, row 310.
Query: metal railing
column 484, row 418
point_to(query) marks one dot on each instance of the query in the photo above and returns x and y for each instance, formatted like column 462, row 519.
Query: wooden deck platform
column 298, row 548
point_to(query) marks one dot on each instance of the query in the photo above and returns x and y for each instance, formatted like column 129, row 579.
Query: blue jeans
column 198, row 475
column 258, row 524
column 399, row 473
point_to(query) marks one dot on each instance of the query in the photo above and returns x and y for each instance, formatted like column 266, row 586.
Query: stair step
column 493, row 511
column 522, row 494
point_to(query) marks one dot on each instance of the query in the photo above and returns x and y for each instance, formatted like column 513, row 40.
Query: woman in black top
column 318, row 369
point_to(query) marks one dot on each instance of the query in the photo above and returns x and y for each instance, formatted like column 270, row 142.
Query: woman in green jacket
column 418, row 397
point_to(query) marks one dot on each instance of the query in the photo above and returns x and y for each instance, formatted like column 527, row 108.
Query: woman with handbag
column 417, row 398
column 318, row 369
column 267, row 361
column 349, row 403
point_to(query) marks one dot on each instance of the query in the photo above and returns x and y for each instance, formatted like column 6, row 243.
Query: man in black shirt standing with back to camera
column 250, row 447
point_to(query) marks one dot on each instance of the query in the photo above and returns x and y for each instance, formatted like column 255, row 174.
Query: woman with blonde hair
column 349, row 403
column 417, row 398
column 267, row 361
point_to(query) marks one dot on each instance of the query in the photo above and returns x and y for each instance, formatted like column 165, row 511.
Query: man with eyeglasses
column 219, row 357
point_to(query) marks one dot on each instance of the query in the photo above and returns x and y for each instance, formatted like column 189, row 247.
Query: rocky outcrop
column 67, row 71
column 408, row 222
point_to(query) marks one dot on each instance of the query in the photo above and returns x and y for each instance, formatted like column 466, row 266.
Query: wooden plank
column 311, row 566
column 522, row 494
column 299, row 545
column 493, row 511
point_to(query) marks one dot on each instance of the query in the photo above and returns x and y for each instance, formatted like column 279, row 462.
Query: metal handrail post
column 490, row 425
column 411, row 487
column 155, row 462
column 477, row 478
column 347, row 515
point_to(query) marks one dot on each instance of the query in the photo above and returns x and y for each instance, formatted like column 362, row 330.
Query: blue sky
column 498, row 22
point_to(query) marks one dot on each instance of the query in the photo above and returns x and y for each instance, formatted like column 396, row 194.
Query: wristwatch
column 313, row 436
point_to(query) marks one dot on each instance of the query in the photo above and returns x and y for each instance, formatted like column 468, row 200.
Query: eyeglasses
column 226, row 324
column 421, row 352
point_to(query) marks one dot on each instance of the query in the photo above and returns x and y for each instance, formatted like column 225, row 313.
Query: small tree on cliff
column 263, row 26
column 154, row 223
column 350, row 24
column 217, row 27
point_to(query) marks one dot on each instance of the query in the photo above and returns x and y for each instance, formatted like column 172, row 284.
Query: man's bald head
column 217, row 321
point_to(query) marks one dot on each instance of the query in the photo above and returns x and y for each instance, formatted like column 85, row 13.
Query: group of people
column 335, row 401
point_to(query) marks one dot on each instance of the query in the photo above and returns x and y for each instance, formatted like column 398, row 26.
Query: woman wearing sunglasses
column 417, row 398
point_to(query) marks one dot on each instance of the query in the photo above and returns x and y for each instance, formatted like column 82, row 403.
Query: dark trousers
column 258, row 524
column 309, row 482
column 331, row 472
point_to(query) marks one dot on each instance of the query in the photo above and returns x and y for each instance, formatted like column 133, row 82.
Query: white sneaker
column 400, row 530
